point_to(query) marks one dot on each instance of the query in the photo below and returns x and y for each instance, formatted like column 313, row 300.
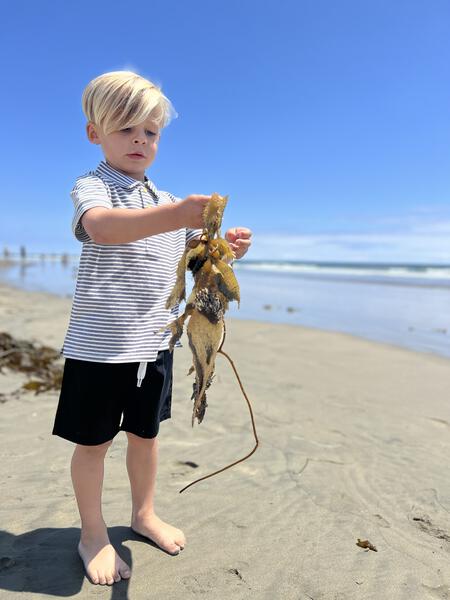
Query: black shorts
column 98, row 400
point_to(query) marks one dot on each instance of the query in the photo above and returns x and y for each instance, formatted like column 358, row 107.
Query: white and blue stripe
column 118, row 307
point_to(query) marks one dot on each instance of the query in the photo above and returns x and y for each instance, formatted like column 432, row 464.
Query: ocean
column 403, row 305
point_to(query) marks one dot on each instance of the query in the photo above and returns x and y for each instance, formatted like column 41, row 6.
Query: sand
column 355, row 443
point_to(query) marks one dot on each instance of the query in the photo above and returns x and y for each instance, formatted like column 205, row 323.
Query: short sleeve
column 89, row 191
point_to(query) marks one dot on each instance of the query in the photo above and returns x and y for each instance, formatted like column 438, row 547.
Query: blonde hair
column 121, row 99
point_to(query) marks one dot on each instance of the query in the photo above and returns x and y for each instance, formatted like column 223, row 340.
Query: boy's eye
column 148, row 132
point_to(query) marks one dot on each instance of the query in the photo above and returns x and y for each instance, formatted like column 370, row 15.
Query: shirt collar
column 107, row 171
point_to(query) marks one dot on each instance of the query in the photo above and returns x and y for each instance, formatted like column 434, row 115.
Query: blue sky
column 327, row 123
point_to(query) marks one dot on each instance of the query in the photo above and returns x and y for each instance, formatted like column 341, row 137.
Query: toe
column 173, row 548
column 117, row 577
column 178, row 536
column 180, row 541
column 109, row 579
column 94, row 577
column 102, row 579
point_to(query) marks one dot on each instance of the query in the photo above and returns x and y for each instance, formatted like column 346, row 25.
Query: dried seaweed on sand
column 38, row 362
column 366, row 544
column 215, row 286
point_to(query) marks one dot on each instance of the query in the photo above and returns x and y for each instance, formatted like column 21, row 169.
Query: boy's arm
column 122, row 225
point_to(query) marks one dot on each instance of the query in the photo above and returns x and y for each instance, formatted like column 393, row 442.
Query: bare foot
column 102, row 563
column 165, row 536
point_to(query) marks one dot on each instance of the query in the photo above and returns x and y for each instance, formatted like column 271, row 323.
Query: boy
column 118, row 369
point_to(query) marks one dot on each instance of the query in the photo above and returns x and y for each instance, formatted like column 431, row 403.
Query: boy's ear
column 92, row 134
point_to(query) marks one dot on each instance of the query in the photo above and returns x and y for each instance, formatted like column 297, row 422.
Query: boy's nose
column 139, row 137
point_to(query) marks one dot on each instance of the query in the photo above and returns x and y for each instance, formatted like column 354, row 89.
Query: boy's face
column 131, row 151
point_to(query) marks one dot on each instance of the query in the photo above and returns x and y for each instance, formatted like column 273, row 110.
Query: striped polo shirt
column 118, row 307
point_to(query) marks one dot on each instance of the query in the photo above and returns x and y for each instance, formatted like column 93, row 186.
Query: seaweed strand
column 220, row 351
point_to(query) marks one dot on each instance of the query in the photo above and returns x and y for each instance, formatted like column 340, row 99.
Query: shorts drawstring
column 141, row 373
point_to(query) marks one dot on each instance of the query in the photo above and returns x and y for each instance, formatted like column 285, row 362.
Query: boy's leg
column 103, row 565
column 142, row 460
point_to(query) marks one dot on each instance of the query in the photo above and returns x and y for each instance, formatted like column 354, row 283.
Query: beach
column 354, row 444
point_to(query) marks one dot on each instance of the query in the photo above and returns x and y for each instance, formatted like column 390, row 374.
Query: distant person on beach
column 118, row 369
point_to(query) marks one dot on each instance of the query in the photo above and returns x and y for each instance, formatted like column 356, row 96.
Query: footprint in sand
column 382, row 521
column 182, row 467
column 441, row 593
column 208, row 581
column 424, row 523
column 440, row 421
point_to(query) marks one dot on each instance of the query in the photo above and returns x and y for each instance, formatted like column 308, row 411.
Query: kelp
column 37, row 362
column 215, row 286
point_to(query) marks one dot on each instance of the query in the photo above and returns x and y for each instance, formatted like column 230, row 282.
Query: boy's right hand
column 191, row 210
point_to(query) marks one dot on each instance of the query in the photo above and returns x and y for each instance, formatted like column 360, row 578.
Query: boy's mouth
column 136, row 155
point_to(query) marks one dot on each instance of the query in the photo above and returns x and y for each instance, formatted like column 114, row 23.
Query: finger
column 240, row 243
column 243, row 232
column 230, row 235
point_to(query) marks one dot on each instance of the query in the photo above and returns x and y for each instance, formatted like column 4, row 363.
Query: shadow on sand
column 46, row 561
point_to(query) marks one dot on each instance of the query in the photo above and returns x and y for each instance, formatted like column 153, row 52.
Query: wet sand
column 355, row 441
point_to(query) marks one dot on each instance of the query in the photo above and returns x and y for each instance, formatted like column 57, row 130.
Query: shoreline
column 68, row 300
column 249, row 267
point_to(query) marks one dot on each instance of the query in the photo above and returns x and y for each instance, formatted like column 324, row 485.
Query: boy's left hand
column 239, row 239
